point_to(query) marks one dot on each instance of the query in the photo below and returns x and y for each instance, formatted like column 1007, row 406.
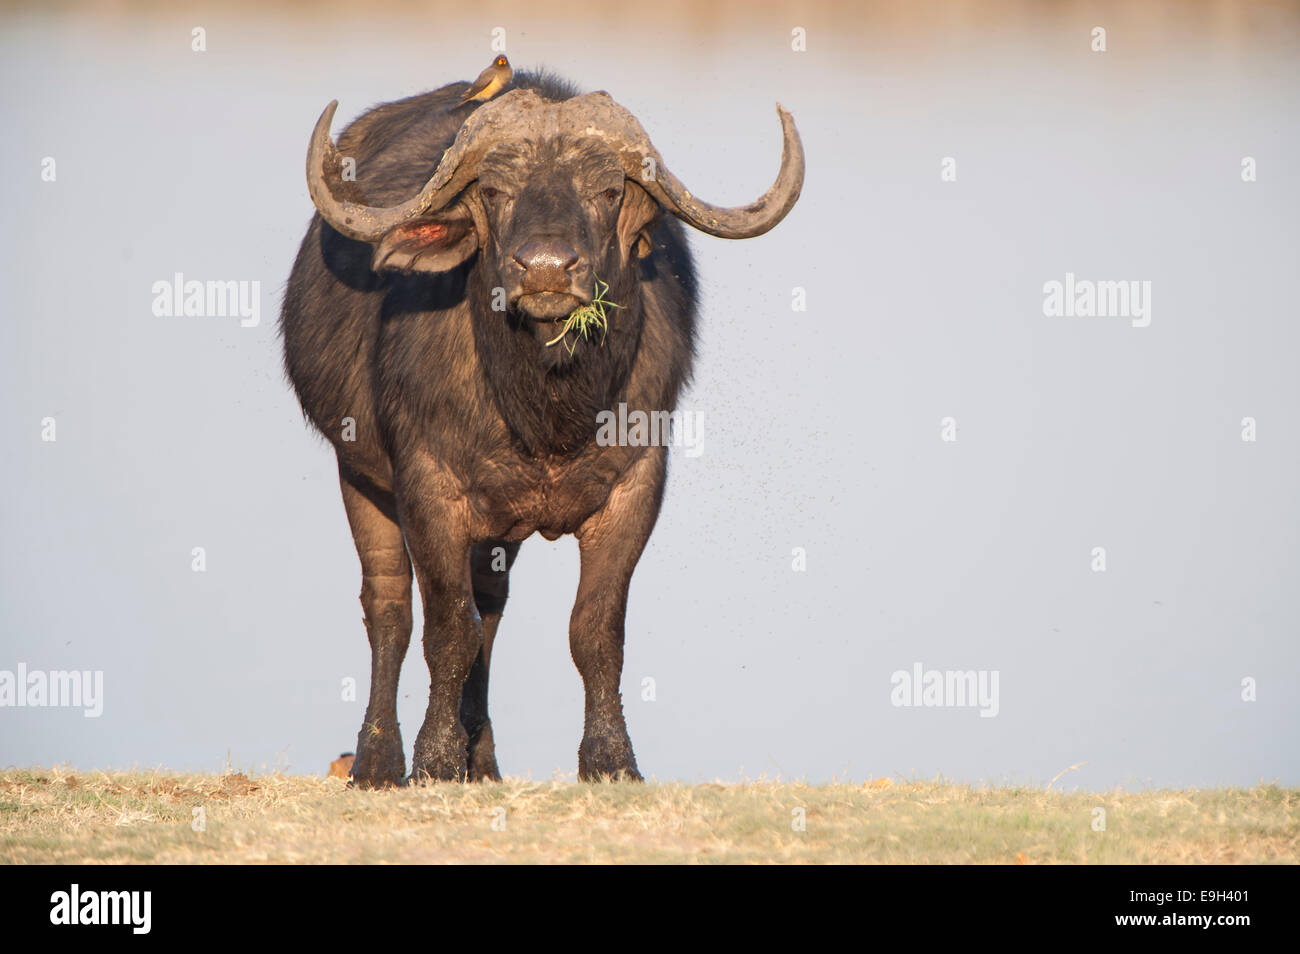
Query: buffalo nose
column 546, row 254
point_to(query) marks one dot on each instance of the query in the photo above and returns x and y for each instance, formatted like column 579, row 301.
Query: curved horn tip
column 326, row 120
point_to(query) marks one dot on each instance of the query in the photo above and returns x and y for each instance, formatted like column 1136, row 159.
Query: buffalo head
column 552, row 194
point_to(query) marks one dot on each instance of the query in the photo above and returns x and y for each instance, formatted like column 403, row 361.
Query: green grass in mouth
column 587, row 318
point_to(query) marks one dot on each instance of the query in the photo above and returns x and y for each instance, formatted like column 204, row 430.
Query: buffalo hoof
column 607, row 759
column 438, row 771
column 440, row 758
column 379, row 762
column 483, row 757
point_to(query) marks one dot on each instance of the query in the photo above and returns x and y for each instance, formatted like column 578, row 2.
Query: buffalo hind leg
column 610, row 543
column 490, row 570
column 386, row 600
column 435, row 519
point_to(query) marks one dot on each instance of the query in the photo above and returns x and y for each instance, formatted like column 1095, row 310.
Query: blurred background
column 821, row 428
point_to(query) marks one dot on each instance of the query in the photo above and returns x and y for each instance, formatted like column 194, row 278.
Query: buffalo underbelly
column 551, row 511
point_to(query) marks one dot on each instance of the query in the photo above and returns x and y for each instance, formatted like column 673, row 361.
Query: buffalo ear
column 635, row 220
column 430, row 243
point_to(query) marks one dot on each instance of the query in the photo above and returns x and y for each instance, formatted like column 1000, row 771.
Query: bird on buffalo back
column 490, row 82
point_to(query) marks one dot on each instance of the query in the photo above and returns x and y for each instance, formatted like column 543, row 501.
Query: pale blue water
column 821, row 429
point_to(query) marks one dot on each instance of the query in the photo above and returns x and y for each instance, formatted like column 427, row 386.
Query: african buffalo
column 425, row 334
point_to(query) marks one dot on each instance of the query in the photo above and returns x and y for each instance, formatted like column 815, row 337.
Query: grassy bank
column 52, row 815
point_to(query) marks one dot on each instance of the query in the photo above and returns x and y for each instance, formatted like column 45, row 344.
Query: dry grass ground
column 58, row 816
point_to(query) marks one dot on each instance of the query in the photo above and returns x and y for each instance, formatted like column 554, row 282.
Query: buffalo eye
column 489, row 192
column 610, row 194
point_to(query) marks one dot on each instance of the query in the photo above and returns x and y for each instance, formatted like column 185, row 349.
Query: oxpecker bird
column 490, row 82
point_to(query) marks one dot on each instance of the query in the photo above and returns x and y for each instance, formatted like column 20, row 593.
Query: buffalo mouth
column 548, row 305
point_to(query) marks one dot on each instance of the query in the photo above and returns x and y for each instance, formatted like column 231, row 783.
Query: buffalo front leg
column 386, row 600
column 610, row 543
column 435, row 521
